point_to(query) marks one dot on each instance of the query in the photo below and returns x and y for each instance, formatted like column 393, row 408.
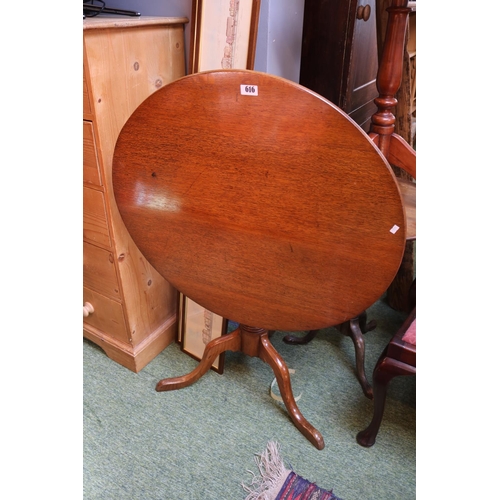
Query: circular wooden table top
column 260, row 200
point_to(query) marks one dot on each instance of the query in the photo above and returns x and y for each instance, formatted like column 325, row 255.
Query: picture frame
column 197, row 326
column 223, row 34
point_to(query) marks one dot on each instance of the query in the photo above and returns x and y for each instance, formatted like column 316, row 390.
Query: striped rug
column 276, row 482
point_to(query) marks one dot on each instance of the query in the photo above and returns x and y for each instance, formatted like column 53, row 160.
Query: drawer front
column 91, row 169
column 95, row 221
column 99, row 271
column 107, row 316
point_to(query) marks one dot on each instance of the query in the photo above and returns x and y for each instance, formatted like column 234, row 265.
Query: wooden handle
column 363, row 12
column 88, row 308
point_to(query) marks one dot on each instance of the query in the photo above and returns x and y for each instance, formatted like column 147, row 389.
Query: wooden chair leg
column 385, row 370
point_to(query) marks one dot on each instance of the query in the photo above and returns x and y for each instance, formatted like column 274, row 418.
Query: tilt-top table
column 262, row 202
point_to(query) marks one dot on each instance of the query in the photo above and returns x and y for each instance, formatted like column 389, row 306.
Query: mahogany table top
column 271, row 208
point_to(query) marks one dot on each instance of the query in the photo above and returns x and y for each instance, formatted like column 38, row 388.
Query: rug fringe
column 273, row 474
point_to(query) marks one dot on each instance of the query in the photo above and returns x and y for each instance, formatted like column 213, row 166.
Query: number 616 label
column 249, row 89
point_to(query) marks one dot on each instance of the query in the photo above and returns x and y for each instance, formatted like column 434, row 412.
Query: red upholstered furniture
column 398, row 358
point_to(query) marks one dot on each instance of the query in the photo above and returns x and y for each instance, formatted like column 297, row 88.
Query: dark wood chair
column 398, row 153
column 262, row 202
column 398, row 358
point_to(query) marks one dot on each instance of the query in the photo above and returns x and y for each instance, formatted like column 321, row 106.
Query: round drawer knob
column 363, row 12
column 88, row 308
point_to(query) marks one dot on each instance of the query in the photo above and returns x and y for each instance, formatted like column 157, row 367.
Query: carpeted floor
column 199, row 442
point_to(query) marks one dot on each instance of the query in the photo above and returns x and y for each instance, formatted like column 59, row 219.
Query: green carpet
column 199, row 442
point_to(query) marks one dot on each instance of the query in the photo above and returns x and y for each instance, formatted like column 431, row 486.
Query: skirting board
column 134, row 358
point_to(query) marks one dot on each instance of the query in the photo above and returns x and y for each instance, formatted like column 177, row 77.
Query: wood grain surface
column 272, row 209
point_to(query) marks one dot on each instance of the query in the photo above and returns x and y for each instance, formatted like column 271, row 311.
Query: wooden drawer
column 95, row 221
column 99, row 272
column 91, row 169
column 107, row 316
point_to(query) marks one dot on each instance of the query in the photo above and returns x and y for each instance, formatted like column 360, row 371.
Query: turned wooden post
column 390, row 73
column 389, row 80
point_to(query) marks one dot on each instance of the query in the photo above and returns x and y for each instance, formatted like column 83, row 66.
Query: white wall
column 279, row 39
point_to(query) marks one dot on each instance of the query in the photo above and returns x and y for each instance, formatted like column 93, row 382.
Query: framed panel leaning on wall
column 197, row 327
column 223, row 34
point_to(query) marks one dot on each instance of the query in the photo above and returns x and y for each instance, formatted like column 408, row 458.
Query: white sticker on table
column 249, row 90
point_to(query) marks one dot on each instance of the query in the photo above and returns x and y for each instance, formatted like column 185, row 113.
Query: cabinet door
column 339, row 54
column 362, row 88
column 326, row 39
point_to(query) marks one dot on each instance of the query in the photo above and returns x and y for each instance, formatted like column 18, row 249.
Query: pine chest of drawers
column 129, row 310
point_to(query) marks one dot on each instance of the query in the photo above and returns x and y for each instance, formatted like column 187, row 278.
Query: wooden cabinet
column 339, row 54
column 130, row 311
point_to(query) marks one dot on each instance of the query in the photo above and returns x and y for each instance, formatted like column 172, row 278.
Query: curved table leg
column 385, row 370
column 230, row 342
column 355, row 328
column 253, row 342
column 269, row 354
column 355, row 331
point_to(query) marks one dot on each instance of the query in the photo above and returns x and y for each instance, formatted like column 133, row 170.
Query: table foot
column 230, row 342
column 269, row 354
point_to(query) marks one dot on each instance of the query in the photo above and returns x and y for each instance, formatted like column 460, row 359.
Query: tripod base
column 253, row 342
